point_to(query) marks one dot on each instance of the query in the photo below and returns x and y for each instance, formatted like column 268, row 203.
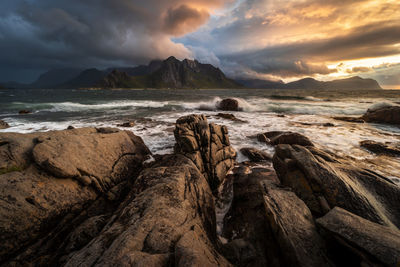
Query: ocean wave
column 289, row 97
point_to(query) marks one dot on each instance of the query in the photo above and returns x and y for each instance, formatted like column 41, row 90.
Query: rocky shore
column 98, row 197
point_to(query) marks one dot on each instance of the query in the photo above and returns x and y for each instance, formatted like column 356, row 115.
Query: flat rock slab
column 293, row 227
column 379, row 242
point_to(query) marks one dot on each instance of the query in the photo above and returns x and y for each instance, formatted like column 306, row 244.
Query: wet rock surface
column 350, row 119
column 381, row 148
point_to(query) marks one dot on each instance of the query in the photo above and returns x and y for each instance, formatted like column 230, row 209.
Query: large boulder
column 324, row 181
column 388, row 114
column 371, row 243
column 207, row 145
column 293, row 227
column 229, row 104
column 48, row 179
column 168, row 218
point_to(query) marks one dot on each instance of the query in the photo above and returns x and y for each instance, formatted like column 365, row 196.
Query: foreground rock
column 4, row 125
column 380, row 148
column 323, row 181
column 255, row 155
column 207, row 145
column 245, row 226
column 369, row 242
column 229, row 104
column 291, row 138
column 389, row 115
column 168, row 218
column 293, row 227
column 51, row 182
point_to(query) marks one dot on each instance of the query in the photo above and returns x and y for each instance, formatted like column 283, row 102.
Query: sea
column 155, row 112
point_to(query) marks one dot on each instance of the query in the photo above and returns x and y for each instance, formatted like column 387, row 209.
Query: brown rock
column 245, row 226
column 293, row 227
column 380, row 148
column 4, row 125
column 255, row 155
column 128, row 124
column 369, row 242
column 229, row 117
column 350, row 119
column 277, row 137
column 168, row 217
column 229, row 104
column 390, row 115
column 207, row 145
column 24, row 111
column 43, row 177
column 324, row 181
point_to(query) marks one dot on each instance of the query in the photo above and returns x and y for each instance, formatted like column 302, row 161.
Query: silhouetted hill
column 353, row 83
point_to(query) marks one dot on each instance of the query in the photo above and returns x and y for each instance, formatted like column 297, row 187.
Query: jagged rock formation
column 170, row 73
column 324, row 181
column 48, row 179
column 207, row 145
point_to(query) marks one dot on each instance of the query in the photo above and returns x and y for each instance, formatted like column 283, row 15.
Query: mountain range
column 173, row 73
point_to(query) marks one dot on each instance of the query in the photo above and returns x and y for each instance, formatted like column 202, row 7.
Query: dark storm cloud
column 42, row 34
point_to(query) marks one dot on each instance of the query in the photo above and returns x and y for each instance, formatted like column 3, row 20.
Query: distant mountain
column 87, row 78
column 170, row 73
column 55, row 77
column 310, row 83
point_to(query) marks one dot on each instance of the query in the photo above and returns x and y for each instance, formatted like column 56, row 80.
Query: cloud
column 44, row 34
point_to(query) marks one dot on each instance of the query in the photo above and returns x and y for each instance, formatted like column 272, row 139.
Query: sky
column 264, row 39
